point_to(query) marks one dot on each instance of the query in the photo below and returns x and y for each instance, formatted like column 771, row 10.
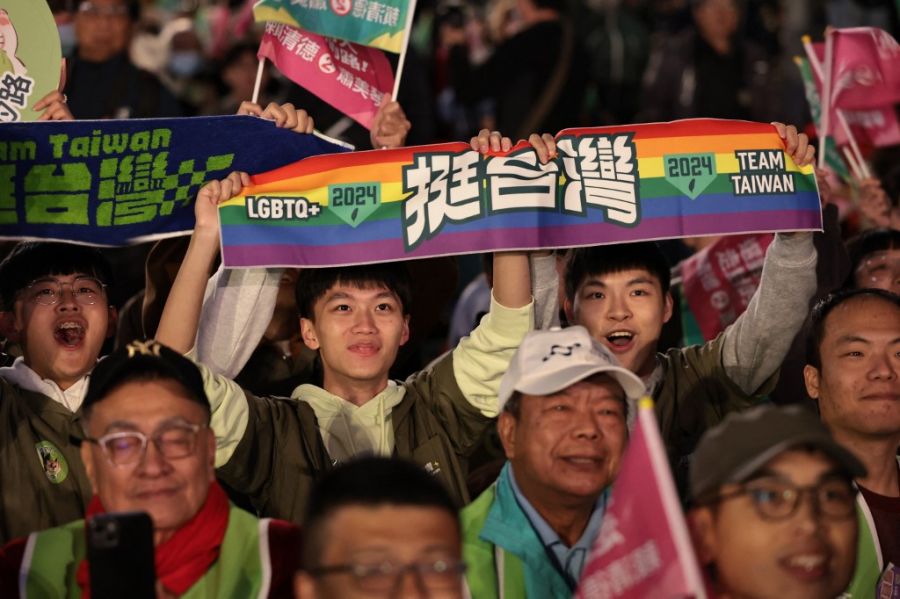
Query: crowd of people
column 380, row 431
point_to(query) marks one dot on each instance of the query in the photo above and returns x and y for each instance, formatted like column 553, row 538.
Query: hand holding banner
column 608, row 185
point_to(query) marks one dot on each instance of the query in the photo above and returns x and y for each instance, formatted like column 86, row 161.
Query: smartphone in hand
column 121, row 557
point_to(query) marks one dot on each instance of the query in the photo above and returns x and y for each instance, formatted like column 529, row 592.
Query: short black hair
column 866, row 243
column 32, row 260
column 821, row 310
column 314, row 283
column 605, row 259
column 369, row 482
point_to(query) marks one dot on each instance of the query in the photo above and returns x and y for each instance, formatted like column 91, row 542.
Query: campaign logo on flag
column 376, row 23
column 644, row 548
column 720, row 280
column 352, row 78
column 872, row 126
column 864, row 68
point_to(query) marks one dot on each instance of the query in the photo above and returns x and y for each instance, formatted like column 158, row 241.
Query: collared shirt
column 571, row 559
column 22, row 375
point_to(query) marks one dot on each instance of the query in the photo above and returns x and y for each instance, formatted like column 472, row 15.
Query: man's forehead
column 363, row 289
column 626, row 276
column 861, row 312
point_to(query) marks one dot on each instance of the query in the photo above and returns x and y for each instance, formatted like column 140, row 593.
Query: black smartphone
column 121, row 557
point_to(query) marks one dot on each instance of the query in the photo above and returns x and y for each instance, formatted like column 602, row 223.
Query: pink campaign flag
column 643, row 549
column 352, row 78
column 865, row 68
column 874, row 126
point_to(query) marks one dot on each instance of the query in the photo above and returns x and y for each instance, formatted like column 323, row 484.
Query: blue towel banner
column 116, row 183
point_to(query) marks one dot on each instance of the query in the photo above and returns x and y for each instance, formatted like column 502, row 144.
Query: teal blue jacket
column 500, row 544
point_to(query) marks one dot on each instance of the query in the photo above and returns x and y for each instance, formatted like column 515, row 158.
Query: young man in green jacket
column 56, row 309
column 563, row 404
column 620, row 293
column 271, row 449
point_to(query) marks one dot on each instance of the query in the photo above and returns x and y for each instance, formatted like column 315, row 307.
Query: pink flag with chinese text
column 720, row 279
column 352, row 78
column 873, row 126
column 865, row 68
column 643, row 549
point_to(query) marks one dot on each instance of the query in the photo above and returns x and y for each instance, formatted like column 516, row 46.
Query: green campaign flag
column 832, row 156
column 376, row 23
column 29, row 57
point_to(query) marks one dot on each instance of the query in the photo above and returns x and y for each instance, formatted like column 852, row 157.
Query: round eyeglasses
column 125, row 448
column 49, row 291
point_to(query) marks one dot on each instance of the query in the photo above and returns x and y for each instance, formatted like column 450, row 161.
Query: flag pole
column 407, row 30
column 842, row 120
column 259, row 74
column 826, row 96
column 851, row 160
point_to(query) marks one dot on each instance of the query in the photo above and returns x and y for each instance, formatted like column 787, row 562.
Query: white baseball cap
column 550, row 361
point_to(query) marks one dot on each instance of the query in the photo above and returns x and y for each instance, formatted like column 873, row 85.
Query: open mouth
column 69, row 334
column 807, row 566
column 620, row 339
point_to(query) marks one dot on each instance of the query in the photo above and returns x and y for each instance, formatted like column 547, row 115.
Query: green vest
column 869, row 562
column 52, row 558
column 499, row 543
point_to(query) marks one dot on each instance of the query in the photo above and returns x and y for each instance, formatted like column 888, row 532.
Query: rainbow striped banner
column 607, row 185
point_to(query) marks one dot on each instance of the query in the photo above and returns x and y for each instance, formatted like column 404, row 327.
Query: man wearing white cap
column 564, row 403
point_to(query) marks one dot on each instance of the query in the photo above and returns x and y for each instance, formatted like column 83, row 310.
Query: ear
column 304, row 585
column 811, row 379
column 9, row 327
column 668, row 304
column 404, row 337
column 112, row 324
column 308, row 333
column 702, row 527
column 569, row 309
column 506, row 429
column 88, row 460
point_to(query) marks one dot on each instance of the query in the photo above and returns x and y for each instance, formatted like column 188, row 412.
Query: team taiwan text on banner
column 120, row 182
column 607, row 185
column 352, row 78
column 643, row 549
column 376, row 23
column 29, row 57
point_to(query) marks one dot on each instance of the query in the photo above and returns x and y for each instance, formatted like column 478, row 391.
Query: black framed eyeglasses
column 386, row 577
column 778, row 500
column 125, row 448
column 49, row 290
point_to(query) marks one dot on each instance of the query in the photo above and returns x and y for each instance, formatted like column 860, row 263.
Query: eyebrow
column 125, row 425
column 857, row 339
column 336, row 295
column 592, row 282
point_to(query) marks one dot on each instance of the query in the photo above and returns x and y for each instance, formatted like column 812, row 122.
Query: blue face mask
column 67, row 38
column 185, row 64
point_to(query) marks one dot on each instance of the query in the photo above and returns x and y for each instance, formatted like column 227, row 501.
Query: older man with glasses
column 148, row 448
column 773, row 510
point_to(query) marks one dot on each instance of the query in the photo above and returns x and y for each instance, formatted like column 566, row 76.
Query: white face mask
column 186, row 63
column 67, row 38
